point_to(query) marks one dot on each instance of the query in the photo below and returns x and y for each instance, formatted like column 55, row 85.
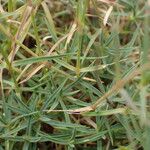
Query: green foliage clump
column 74, row 74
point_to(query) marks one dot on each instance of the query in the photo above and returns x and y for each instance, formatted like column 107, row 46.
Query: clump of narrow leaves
column 74, row 74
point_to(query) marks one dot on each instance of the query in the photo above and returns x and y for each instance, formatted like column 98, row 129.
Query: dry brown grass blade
column 107, row 1
column 24, row 24
column 1, row 9
column 73, row 111
column 33, row 72
column 70, row 34
column 22, row 72
column 90, row 122
column 107, row 15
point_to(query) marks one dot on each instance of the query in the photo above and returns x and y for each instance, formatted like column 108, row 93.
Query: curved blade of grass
column 37, row 59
